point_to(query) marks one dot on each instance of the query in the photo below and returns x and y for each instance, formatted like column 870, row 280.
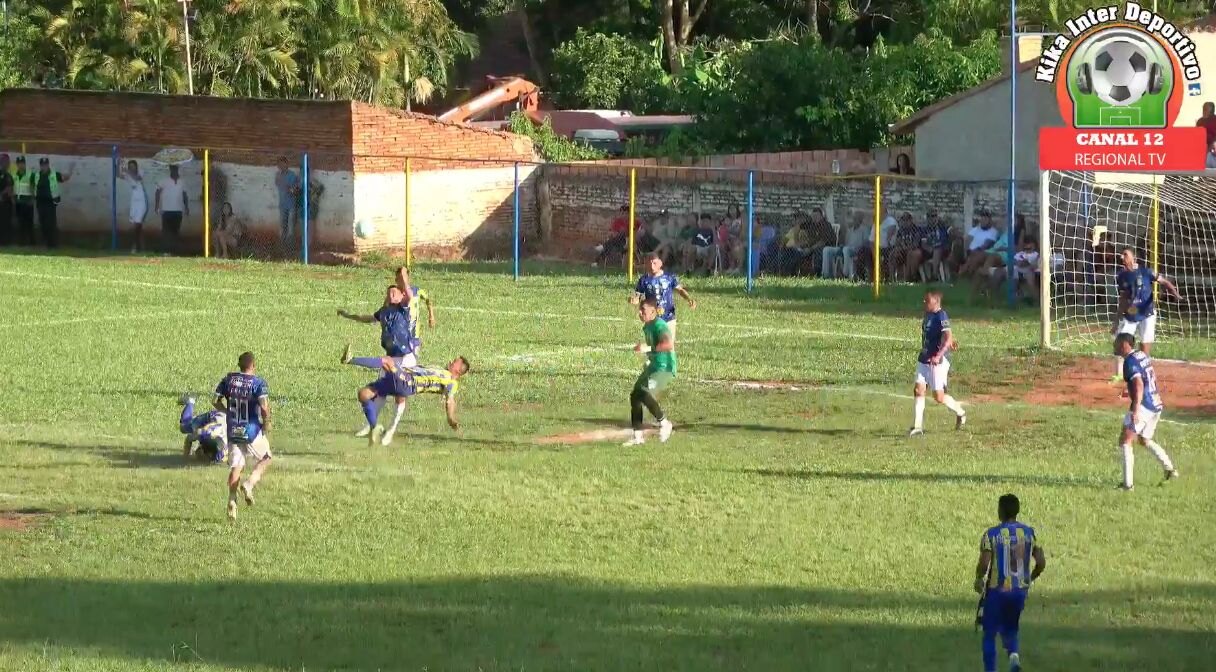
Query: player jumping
column 657, row 286
column 1144, row 411
column 1002, row 581
column 209, row 430
column 396, row 337
column 933, row 364
column 246, row 399
column 659, row 372
column 402, row 383
column 1137, row 313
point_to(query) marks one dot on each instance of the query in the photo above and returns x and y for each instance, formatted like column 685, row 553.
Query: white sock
column 1129, row 464
column 920, row 413
column 1160, row 454
column 398, row 412
column 952, row 404
column 638, row 436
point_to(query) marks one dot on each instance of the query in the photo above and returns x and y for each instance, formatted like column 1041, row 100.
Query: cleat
column 915, row 431
column 1125, row 488
column 347, row 355
column 1015, row 663
column 388, row 438
column 637, row 440
column 232, row 510
column 375, row 436
column 960, row 422
column 247, row 492
column 665, row 430
column 185, row 399
column 367, row 429
column 1171, row 474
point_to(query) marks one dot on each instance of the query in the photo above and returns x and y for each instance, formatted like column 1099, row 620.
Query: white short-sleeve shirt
column 172, row 195
column 981, row 237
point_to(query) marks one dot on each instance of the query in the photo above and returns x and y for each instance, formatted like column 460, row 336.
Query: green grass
column 778, row 529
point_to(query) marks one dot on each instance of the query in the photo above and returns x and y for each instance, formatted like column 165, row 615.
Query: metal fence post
column 304, row 182
column 206, row 203
column 633, row 208
column 877, row 236
column 515, row 246
column 114, row 197
column 408, row 232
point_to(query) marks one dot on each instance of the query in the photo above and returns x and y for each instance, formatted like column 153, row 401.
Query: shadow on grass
column 558, row 622
column 91, row 511
column 875, row 476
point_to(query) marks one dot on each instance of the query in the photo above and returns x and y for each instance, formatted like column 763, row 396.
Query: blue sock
column 989, row 651
column 369, row 411
column 1010, row 639
column 187, row 417
column 367, row 362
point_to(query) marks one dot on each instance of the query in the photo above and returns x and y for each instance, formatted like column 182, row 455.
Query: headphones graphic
column 1085, row 78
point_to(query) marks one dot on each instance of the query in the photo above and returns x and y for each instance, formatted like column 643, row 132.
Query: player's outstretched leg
column 371, row 403
column 187, row 403
column 918, row 408
column 1158, row 452
column 398, row 412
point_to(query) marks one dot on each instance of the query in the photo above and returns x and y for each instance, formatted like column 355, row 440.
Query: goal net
column 1169, row 220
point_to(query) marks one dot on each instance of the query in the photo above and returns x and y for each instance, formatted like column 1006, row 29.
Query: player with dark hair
column 245, row 398
column 1144, row 411
column 402, row 383
column 397, row 337
column 209, row 430
column 659, row 372
column 933, row 363
column 1003, row 581
column 1137, row 313
column 657, row 285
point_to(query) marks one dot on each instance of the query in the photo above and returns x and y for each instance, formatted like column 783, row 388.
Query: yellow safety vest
column 54, row 179
column 23, row 185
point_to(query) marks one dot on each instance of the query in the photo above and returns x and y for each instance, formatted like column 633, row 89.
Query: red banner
column 1123, row 151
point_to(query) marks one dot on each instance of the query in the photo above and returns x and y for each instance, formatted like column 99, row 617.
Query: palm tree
column 247, row 48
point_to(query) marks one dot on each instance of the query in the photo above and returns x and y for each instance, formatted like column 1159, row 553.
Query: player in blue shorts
column 209, row 430
column 933, row 364
column 402, row 383
column 1003, row 577
column 1144, row 411
column 397, row 337
column 1137, row 313
column 657, row 285
column 245, row 399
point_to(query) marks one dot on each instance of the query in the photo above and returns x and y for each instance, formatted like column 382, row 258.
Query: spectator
column 991, row 272
column 1026, row 270
column 1210, row 162
column 981, row 238
column 138, row 210
column 6, row 201
column 852, row 242
column 821, row 235
column 228, row 232
column 701, row 249
column 23, row 202
column 939, row 244
column 47, row 199
column 287, row 183
column 795, row 248
column 1208, row 123
column 767, row 256
column 726, row 244
column 907, row 240
column 666, row 234
column 173, row 206
column 903, row 165
column 864, row 259
column 618, row 236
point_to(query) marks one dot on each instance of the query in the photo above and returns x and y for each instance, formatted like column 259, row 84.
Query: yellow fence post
column 23, row 149
column 633, row 202
column 206, row 203
column 408, row 241
column 877, row 234
column 1156, row 232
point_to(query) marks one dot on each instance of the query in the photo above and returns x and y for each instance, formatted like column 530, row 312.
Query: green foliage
column 551, row 146
column 603, row 71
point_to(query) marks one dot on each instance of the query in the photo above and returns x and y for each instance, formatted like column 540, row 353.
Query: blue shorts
column 1003, row 611
column 392, row 385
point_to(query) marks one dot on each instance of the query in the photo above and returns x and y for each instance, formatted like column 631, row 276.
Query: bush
column 605, row 71
column 551, row 146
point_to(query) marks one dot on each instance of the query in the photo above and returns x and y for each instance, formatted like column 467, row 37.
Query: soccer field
column 785, row 526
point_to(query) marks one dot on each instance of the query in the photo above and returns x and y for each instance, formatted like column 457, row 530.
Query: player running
column 659, row 372
column 1002, row 581
column 933, row 364
column 1144, row 411
column 402, row 383
column 209, row 430
column 657, row 286
column 245, row 398
column 1137, row 313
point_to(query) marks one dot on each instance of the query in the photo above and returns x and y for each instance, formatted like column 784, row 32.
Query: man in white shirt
column 854, row 243
column 173, row 206
column 980, row 240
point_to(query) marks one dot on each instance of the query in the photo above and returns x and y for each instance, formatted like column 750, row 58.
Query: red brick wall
column 382, row 138
column 816, row 162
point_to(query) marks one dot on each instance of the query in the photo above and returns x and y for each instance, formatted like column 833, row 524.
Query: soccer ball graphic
column 1120, row 73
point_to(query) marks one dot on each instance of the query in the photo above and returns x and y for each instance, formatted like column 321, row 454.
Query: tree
column 595, row 70
column 677, row 18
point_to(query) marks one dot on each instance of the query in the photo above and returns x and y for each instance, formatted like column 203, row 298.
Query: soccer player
column 1144, row 411
column 659, row 372
column 397, row 337
column 933, row 364
column 209, row 430
column 1137, row 314
column 657, row 286
column 245, row 398
column 1001, row 579
column 414, row 297
column 402, row 383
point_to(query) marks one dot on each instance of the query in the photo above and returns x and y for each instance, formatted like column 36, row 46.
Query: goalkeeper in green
column 659, row 372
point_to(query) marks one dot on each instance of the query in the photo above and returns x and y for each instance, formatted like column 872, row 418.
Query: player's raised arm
column 1040, row 563
column 1169, row 286
column 365, row 319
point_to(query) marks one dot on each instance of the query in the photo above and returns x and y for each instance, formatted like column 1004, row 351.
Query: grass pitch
column 779, row 529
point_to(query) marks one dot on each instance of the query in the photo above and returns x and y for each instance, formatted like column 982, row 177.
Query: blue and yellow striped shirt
column 438, row 381
column 1011, row 545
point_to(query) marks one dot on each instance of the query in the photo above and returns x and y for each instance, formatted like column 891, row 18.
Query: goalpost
column 1087, row 218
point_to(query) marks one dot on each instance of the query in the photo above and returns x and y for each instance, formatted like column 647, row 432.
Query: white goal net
column 1169, row 220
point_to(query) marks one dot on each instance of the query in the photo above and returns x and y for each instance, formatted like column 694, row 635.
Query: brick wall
column 383, row 137
column 817, row 162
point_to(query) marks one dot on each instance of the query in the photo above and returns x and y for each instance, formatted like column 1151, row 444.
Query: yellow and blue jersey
column 1011, row 546
column 436, row 381
column 415, row 307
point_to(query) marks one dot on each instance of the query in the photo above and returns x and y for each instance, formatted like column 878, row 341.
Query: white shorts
column 1144, row 330
column 1147, row 426
column 407, row 361
column 933, row 375
column 257, row 451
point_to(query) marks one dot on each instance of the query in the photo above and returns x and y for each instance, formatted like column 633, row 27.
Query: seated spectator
column 852, row 243
column 937, row 251
column 701, row 248
column 864, row 260
column 820, row 236
column 767, row 253
column 1026, row 270
column 907, row 239
column 980, row 239
column 990, row 274
column 618, row 236
column 228, row 232
column 795, row 248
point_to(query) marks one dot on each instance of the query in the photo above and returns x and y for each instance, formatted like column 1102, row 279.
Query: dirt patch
column 20, row 522
column 1190, row 388
column 592, row 436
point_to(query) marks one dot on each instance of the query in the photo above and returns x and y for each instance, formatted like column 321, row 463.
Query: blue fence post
column 114, row 197
column 304, row 188
column 515, row 249
column 1010, row 277
column 751, row 225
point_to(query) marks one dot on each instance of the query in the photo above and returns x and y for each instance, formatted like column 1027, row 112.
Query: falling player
column 1137, row 313
column 933, row 364
column 659, row 372
column 209, row 430
column 1002, row 581
column 657, row 286
column 402, row 383
column 1144, row 411
column 245, row 398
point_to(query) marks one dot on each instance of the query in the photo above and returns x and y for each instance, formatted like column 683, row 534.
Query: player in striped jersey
column 402, row 383
column 209, row 430
column 1003, row 577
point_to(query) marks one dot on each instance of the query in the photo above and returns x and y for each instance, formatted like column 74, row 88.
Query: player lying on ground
column 209, row 430
column 1002, row 581
column 245, row 398
column 660, row 351
column 402, row 383
column 933, row 364
column 657, row 286
column 1144, row 411
column 1137, row 313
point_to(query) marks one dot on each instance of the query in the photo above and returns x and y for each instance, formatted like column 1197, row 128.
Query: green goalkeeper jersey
column 658, row 361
